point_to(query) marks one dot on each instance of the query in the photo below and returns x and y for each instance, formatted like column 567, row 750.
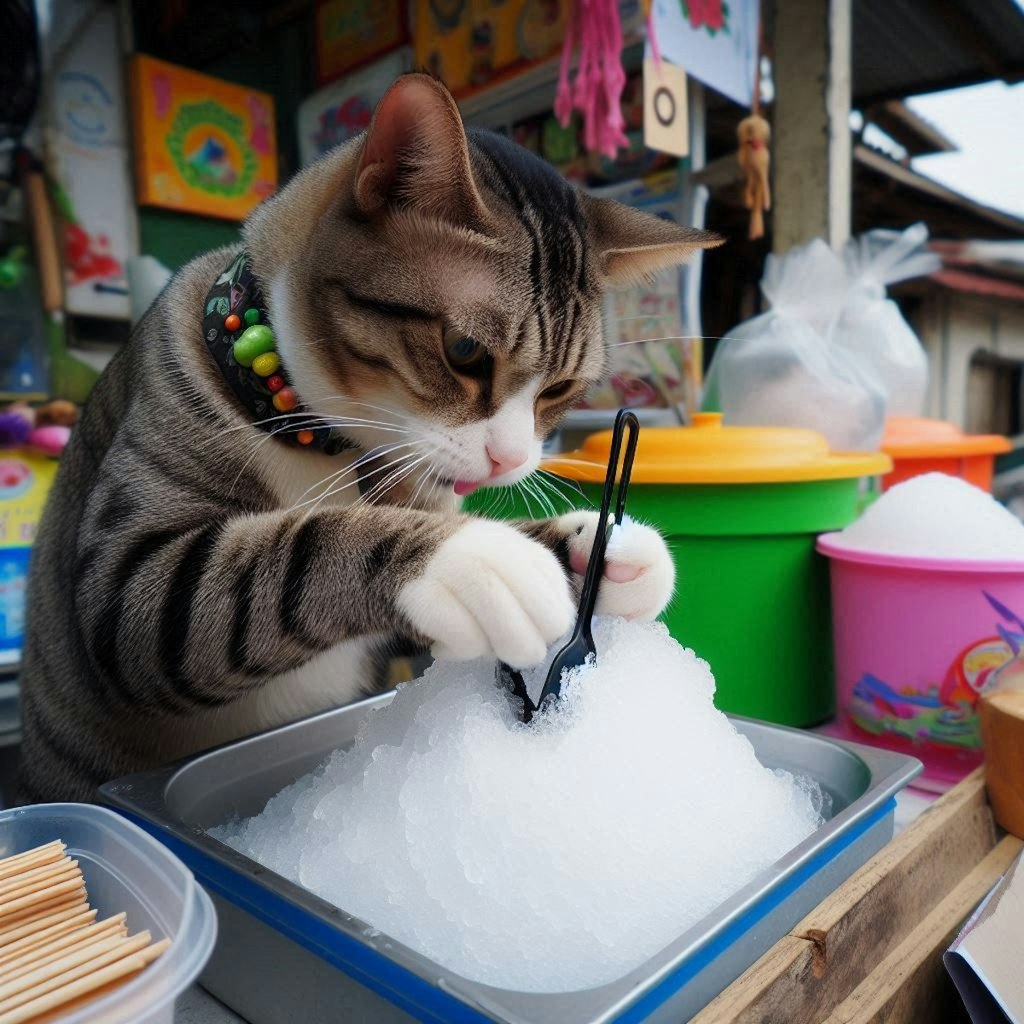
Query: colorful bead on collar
column 241, row 340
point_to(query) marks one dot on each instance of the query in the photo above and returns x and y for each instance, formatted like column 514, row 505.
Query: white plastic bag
column 871, row 327
column 779, row 368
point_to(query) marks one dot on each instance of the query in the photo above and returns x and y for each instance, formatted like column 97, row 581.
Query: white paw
column 639, row 574
column 490, row 591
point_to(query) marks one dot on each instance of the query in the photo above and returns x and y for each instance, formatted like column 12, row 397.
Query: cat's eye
column 464, row 353
column 557, row 390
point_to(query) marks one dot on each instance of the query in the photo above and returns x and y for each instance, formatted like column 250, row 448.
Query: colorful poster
column 91, row 169
column 467, row 43
column 203, row 145
column 343, row 109
column 652, row 363
column 715, row 41
column 350, row 33
column 25, row 481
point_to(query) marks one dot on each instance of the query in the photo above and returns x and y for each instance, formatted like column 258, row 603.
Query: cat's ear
column 415, row 154
column 633, row 245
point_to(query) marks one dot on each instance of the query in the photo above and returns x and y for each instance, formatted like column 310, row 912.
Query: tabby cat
column 435, row 300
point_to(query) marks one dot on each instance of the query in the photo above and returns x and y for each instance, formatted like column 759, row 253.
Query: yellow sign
column 467, row 43
column 203, row 145
column 25, row 481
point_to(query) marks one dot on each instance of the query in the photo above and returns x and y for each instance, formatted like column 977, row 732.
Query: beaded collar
column 241, row 340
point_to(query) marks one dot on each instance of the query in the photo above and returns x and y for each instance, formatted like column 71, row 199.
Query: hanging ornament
column 596, row 91
column 754, row 134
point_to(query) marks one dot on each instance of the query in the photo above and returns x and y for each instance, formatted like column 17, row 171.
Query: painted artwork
column 91, row 165
column 25, row 481
column 467, row 43
column 714, row 40
column 340, row 111
column 653, row 364
column 203, row 145
column 351, row 33
column 946, row 711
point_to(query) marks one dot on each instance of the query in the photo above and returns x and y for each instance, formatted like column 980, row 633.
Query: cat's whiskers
column 390, row 410
column 426, row 478
column 374, row 453
column 392, row 480
column 555, row 480
column 676, row 337
column 256, row 443
column 336, row 490
column 576, row 462
column 526, row 498
column 557, row 483
column 542, row 499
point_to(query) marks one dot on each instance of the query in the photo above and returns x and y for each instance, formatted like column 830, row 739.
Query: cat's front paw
column 490, row 591
column 639, row 574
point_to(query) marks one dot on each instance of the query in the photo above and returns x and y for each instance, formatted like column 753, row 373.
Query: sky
column 986, row 122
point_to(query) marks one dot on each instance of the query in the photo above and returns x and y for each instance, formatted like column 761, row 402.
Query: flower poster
column 340, row 111
column 202, row 145
column 715, row 41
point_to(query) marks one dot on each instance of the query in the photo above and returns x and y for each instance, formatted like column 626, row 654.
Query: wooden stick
column 46, row 930
column 67, row 969
column 35, row 852
column 75, row 899
column 43, row 896
column 64, row 875
column 118, row 970
column 65, row 944
column 33, row 872
column 18, row 929
column 60, row 1013
column 45, row 855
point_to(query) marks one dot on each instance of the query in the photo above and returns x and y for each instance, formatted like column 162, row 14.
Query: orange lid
column 909, row 438
column 711, row 453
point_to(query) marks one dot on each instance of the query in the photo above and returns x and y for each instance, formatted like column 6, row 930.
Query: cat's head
column 441, row 289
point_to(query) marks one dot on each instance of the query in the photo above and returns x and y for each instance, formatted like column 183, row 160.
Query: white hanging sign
column 716, row 41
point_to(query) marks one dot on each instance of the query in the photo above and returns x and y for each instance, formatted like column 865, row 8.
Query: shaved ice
column 937, row 516
column 549, row 857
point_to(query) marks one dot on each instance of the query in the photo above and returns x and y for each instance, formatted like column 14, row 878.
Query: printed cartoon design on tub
column 944, row 713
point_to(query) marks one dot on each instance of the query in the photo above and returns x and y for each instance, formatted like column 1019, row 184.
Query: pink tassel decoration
column 597, row 90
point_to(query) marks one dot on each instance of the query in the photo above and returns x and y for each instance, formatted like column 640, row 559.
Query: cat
column 203, row 572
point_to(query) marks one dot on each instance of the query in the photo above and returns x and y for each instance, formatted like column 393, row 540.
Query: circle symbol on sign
column 664, row 106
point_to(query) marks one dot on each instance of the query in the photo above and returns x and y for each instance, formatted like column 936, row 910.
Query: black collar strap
column 239, row 337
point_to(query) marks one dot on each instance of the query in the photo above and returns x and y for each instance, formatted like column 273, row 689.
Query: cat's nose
column 503, row 462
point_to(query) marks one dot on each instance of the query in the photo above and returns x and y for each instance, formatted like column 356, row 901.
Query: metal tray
column 285, row 954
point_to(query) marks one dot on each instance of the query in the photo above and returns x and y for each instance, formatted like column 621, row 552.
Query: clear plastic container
column 126, row 870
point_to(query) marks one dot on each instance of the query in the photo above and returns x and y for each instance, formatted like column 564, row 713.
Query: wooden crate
column 873, row 950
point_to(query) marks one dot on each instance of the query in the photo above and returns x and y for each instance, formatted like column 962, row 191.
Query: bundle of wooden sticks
column 54, row 954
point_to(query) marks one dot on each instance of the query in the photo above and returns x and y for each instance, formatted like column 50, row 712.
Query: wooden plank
column 908, row 985
column 840, row 942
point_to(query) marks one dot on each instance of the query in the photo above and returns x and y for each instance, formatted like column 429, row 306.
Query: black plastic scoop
column 581, row 643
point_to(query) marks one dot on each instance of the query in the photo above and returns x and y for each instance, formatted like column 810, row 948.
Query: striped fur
column 195, row 580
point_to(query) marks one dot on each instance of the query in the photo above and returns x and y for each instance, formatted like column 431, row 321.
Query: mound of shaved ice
column 548, row 857
column 937, row 516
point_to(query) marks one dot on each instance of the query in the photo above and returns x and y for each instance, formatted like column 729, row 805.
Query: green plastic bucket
column 752, row 594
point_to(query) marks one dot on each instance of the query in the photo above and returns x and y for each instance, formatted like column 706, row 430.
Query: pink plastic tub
column 917, row 641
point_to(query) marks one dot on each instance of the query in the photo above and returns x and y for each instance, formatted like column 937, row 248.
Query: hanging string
column 597, row 90
column 753, row 135
column 652, row 36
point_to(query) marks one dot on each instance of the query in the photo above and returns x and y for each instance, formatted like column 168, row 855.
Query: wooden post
column 811, row 148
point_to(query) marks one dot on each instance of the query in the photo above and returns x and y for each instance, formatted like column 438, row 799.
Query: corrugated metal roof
column 907, row 47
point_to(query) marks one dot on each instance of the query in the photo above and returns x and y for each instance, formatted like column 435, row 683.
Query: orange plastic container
column 918, row 446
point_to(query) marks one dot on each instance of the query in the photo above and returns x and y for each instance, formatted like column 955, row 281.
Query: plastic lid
column 909, row 438
column 711, row 453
